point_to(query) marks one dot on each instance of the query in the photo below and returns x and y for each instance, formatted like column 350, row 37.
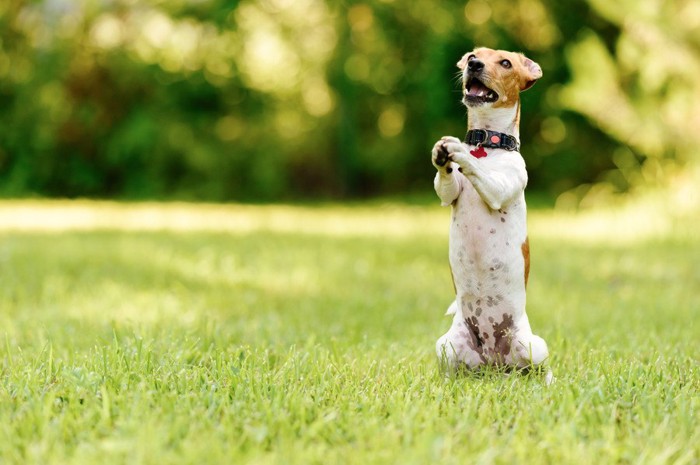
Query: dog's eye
column 506, row 64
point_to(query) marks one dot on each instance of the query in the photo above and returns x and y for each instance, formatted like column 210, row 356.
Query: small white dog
column 484, row 179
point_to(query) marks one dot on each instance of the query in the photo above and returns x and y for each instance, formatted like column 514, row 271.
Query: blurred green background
column 279, row 100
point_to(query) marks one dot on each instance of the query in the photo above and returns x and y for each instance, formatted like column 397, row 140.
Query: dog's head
column 496, row 77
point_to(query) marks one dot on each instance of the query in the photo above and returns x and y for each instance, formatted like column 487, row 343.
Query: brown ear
column 531, row 73
column 461, row 64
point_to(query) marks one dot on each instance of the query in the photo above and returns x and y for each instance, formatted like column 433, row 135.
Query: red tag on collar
column 478, row 152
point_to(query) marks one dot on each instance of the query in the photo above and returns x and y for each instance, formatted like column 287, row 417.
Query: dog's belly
column 488, row 268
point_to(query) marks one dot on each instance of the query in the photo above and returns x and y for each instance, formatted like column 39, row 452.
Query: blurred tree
column 641, row 89
column 282, row 99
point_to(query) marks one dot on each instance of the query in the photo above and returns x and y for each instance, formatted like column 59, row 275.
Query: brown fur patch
column 502, row 334
column 525, row 247
column 475, row 341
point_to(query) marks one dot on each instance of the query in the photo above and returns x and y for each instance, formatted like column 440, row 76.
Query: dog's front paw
column 460, row 158
column 440, row 155
column 453, row 145
column 444, row 149
column 457, row 153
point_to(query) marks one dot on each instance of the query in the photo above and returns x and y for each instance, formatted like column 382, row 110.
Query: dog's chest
column 486, row 254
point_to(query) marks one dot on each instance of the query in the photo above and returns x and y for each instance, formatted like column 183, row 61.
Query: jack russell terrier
column 484, row 179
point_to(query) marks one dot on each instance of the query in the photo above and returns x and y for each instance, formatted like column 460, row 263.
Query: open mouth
column 476, row 92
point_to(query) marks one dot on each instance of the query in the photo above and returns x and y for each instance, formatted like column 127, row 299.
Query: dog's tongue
column 478, row 89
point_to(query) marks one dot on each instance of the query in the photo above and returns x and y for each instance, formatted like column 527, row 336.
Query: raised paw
column 443, row 151
column 440, row 155
column 453, row 145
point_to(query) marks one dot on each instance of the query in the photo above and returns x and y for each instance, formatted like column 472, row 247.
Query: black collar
column 491, row 140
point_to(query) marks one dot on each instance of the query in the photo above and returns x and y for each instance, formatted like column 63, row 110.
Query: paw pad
column 442, row 156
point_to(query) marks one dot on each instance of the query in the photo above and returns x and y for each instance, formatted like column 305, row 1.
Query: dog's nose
column 475, row 65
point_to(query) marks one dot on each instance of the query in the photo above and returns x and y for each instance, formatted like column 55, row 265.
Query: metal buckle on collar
column 480, row 136
column 510, row 143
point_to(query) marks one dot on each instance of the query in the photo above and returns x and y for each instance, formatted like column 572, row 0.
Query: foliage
column 223, row 99
column 218, row 336
column 643, row 91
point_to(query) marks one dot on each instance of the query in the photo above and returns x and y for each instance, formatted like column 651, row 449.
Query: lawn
column 179, row 333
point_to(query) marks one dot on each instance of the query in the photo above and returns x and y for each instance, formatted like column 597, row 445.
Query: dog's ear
column 461, row 64
column 532, row 72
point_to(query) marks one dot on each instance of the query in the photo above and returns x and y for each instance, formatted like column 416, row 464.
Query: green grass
column 151, row 334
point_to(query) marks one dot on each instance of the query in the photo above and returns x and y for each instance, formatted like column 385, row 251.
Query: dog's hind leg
column 531, row 350
column 453, row 348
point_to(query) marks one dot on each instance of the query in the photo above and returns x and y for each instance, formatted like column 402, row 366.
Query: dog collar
column 491, row 140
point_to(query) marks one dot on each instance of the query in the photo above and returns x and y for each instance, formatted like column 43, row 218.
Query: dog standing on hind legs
column 483, row 179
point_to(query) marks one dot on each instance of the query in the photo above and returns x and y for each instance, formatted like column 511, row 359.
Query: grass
column 157, row 334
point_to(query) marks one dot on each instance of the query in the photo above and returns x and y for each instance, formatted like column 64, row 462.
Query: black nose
column 475, row 65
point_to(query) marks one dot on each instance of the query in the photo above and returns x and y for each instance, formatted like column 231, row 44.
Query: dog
column 484, row 179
